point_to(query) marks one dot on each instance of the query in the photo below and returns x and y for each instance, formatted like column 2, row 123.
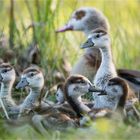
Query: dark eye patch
column 112, row 83
column 80, row 81
column 97, row 36
column 6, row 70
column 29, row 70
column 80, row 14
column 31, row 74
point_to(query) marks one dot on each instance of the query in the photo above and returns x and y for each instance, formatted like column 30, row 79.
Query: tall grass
column 27, row 22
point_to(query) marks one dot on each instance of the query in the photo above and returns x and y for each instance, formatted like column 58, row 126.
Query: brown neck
column 125, row 88
column 76, row 104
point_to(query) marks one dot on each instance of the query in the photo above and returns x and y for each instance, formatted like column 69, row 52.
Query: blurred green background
column 24, row 23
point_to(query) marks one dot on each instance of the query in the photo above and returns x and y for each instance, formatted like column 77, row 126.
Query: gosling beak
column 102, row 93
column 94, row 89
column 1, row 78
column 87, row 44
column 22, row 83
column 65, row 28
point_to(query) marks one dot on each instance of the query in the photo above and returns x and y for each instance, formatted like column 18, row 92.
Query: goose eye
column 97, row 36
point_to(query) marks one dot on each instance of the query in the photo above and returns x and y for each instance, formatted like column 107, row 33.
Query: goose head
column 78, row 85
column 99, row 38
column 31, row 77
column 86, row 19
column 7, row 73
column 118, row 88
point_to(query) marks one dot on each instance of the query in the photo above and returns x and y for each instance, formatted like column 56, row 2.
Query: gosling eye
column 5, row 71
column 111, row 84
column 76, row 88
column 32, row 74
column 81, row 82
column 97, row 36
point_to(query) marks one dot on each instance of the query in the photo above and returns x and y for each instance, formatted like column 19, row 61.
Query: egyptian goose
column 74, row 87
column 61, row 100
column 34, row 79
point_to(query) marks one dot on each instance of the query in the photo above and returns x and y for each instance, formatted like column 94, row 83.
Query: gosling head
column 98, row 38
column 118, row 88
column 60, row 94
column 7, row 73
column 86, row 19
column 78, row 85
column 31, row 77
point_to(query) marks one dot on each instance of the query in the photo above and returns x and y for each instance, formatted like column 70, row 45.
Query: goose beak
column 65, row 28
column 1, row 78
column 87, row 44
column 22, row 83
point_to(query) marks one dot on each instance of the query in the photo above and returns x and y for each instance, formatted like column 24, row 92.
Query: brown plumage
column 6, row 65
column 32, row 68
column 125, row 88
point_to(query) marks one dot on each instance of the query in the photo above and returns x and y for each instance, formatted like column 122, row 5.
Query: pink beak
column 65, row 28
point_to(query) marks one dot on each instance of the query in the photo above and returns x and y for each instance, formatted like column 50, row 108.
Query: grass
column 30, row 22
